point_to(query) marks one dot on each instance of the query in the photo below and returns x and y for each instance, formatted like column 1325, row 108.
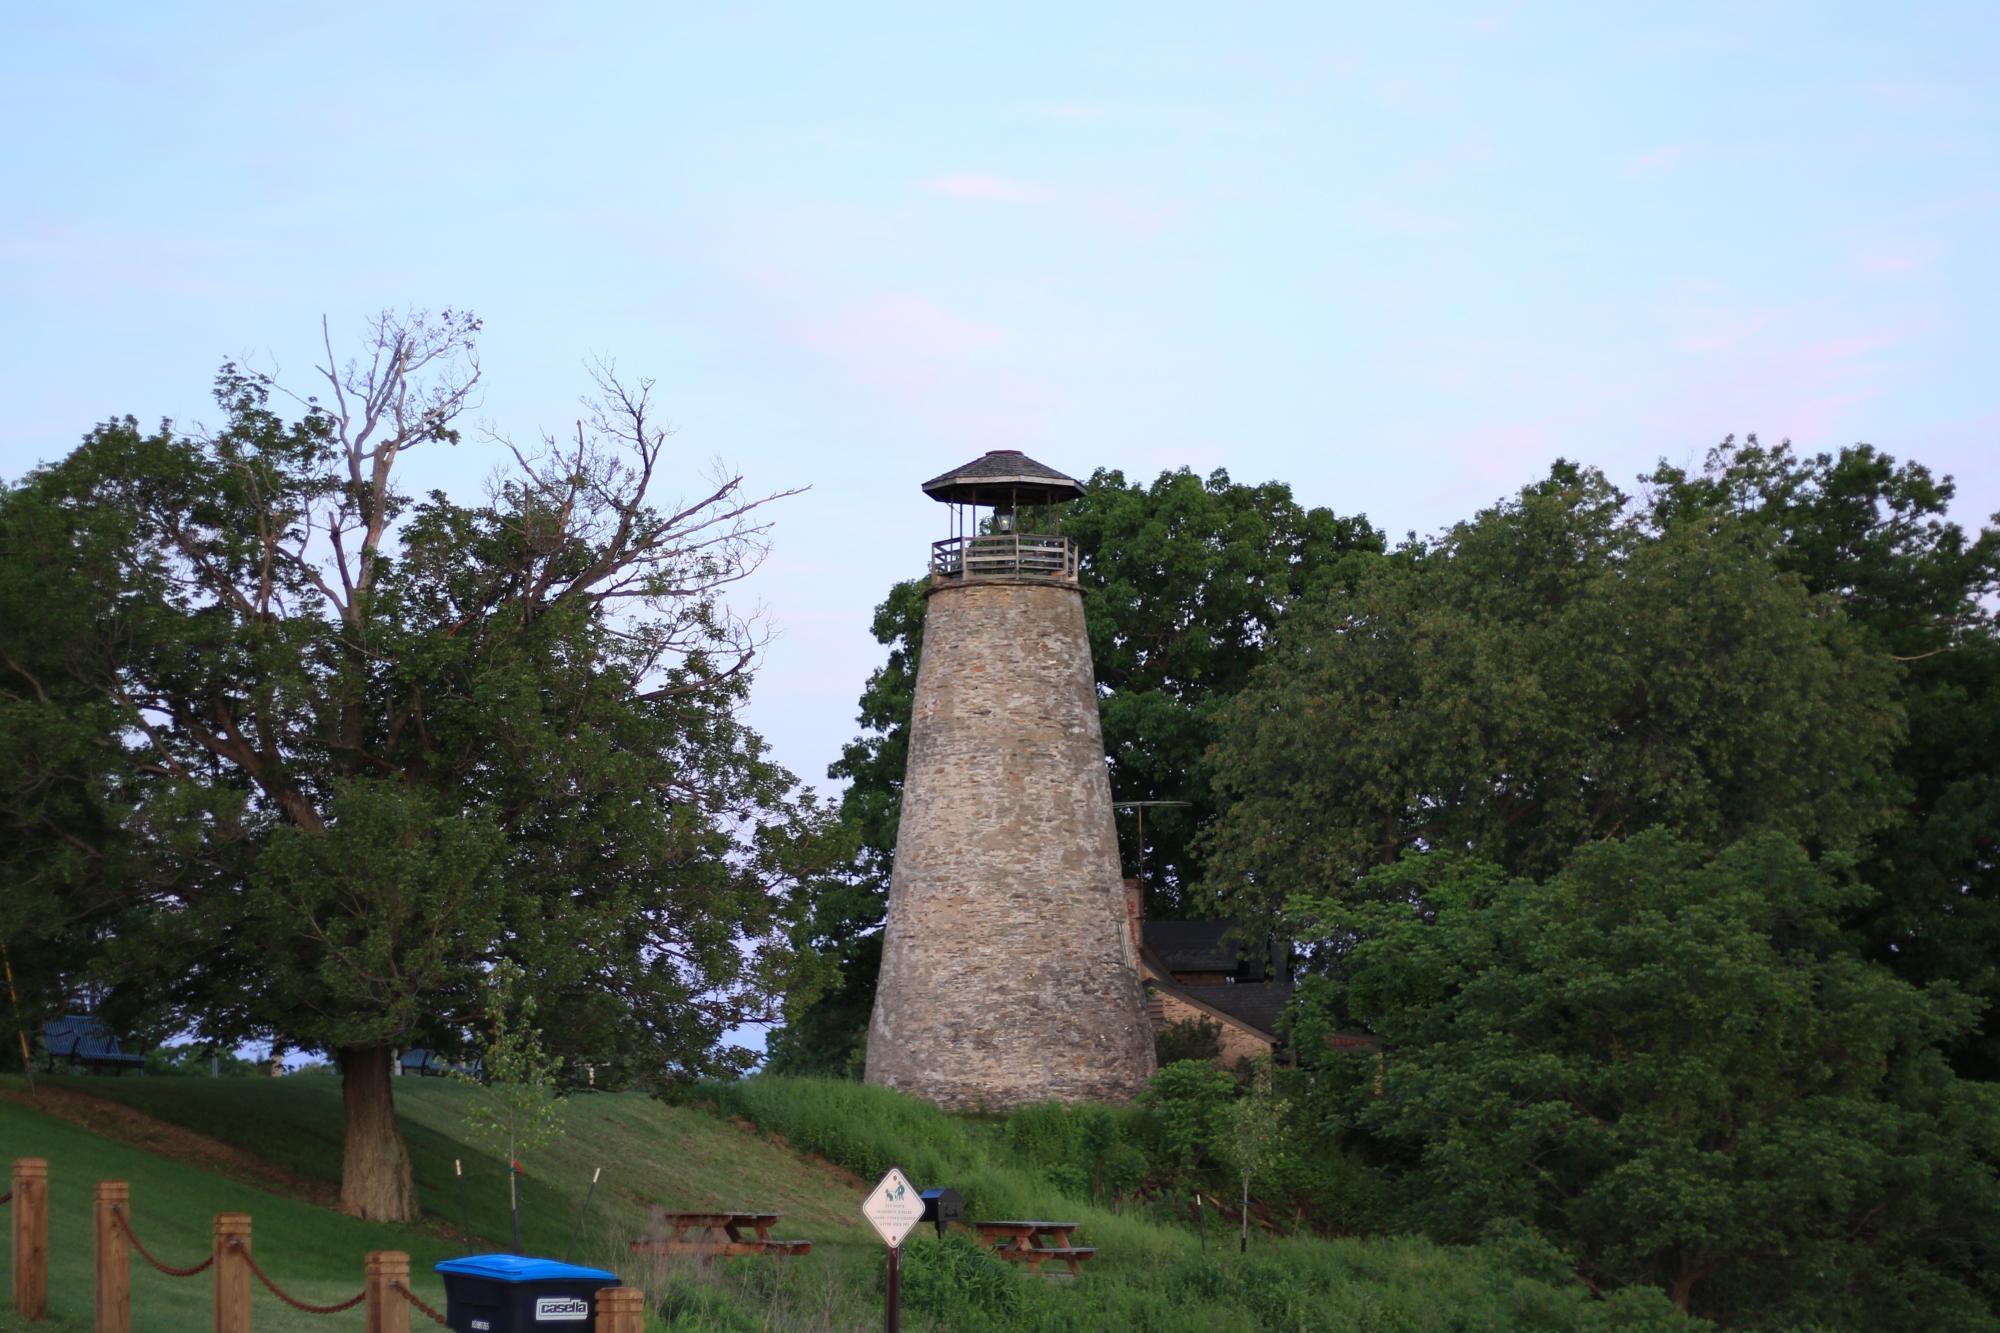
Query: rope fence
column 401, row 1290
column 386, row 1292
column 305, row 1307
column 124, row 1225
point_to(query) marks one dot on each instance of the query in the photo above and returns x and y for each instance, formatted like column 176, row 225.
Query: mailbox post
column 943, row 1205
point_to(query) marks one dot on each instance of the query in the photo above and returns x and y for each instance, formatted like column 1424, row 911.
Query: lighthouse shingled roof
column 999, row 472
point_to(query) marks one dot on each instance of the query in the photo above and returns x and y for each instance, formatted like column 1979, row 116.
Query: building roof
column 1257, row 1004
column 1252, row 1005
column 1204, row 946
column 1003, row 476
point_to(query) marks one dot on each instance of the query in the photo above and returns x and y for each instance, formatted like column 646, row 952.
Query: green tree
column 1669, row 1061
column 364, row 749
column 1255, row 1138
column 1189, row 1104
column 65, row 796
column 827, row 1032
column 1184, row 583
column 1549, row 673
column 1873, row 535
column 516, row 1105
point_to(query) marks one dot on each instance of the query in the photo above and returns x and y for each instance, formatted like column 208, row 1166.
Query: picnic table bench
column 714, row 1233
column 1034, row 1243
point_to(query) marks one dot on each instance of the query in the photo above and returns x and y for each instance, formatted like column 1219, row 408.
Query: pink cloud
column 909, row 324
column 1076, row 112
column 1896, row 258
column 1665, row 158
column 995, row 189
column 1399, row 221
column 1496, row 21
column 1123, row 211
column 908, row 345
column 1844, row 349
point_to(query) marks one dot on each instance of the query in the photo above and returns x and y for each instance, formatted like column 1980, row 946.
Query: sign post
column 894, row 1206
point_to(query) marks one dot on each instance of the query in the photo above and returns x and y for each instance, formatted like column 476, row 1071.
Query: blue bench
column 82, row 1040
column 430, row 1064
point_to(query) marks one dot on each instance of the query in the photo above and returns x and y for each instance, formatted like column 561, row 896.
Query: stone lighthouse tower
column 1009, row 973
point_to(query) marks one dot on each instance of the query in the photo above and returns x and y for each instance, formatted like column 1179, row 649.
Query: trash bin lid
column 523, row 1268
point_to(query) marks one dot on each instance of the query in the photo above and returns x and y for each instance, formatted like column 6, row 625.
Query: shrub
column 1188, row 1102
column 1085, row 1150
column 1189, row 1039
column 959, row 1282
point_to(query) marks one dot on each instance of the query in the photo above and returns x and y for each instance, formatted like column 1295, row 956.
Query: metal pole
column 1140, row 811
column 892, row 1314
column 514, row 1195
column 20, row 1029
column 1140, row 807
column 586, row 1209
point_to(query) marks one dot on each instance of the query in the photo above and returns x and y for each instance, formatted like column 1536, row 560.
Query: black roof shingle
column 1257, row 1003
column 1003, row 473
column 1205, row 946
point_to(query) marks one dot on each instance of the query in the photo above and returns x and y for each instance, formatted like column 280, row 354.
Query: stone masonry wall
column 1233, row 1043
column 1008, row 971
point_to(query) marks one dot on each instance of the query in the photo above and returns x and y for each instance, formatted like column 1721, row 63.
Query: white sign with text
column 894, row 1206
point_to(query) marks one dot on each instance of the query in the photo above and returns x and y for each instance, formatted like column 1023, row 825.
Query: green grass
column 315, row 1254
column 1151, row 1273
column 649, row 1153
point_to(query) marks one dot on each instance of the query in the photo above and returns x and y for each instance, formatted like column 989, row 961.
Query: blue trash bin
column 513, row 1293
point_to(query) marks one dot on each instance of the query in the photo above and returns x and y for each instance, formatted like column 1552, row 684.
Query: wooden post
column 388, row 1312
column 114, row 1259
column 232, row 1273
column 31, row 1237
column 621, row 1310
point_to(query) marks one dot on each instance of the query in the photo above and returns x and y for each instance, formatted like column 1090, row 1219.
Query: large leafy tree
column 364, row 749
column 1874, row 536
column 1185, row 581
column 65, row 794
column 1671, row 1061
column 1553, row 672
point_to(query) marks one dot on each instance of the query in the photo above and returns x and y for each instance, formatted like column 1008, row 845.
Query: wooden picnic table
column 1034, row 1243
column 714, row 1232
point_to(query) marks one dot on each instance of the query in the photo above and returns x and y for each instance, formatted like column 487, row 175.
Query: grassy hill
column 649, row 1152
column 802, row 1147
column 313, row 1252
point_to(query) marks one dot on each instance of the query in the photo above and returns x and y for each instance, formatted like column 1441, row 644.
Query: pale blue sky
column 1399, row 256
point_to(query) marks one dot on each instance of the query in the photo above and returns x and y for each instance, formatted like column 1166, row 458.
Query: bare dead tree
column 594, row 497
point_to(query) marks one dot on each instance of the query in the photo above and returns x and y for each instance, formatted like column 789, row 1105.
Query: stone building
column 1009, row 971
column 1219, row 972
column 1196, row 971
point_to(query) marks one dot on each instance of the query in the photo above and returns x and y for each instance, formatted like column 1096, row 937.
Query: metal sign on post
column 893, row 1208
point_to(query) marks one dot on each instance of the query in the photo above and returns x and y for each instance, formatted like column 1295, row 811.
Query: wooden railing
column 1004, row 555
column 385, row 1296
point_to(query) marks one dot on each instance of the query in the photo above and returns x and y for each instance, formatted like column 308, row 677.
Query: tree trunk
column 375, row 1179
column 1681, row 1290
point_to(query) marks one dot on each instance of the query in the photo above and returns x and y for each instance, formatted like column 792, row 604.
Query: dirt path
column 128, row 1125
